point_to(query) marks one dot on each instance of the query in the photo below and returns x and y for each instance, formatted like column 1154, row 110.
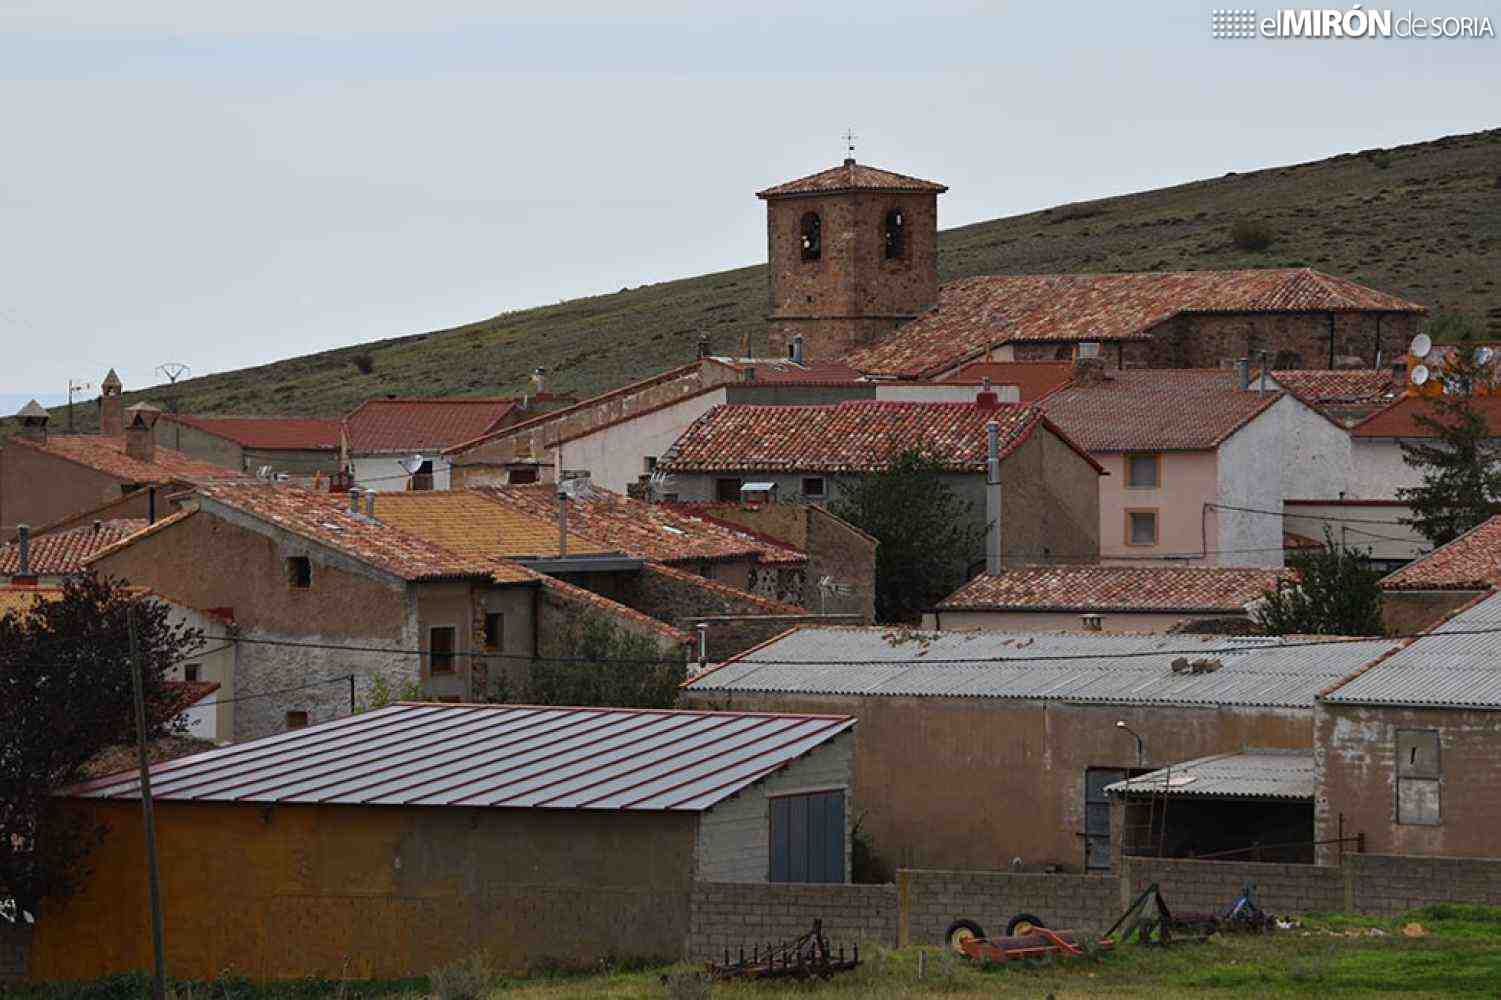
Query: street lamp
column 1140, row 755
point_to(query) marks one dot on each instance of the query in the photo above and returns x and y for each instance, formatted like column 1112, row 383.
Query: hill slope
column 1422, row 221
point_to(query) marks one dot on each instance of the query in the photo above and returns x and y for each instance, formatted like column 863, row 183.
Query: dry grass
column 1423, row 221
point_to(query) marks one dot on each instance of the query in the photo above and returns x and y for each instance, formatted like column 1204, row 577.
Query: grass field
column 1459, row 953
column 1423, row 221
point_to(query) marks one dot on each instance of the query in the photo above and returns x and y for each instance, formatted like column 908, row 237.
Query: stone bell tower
column 853, row 253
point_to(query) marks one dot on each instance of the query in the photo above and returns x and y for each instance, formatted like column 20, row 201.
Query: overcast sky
column 228, row 184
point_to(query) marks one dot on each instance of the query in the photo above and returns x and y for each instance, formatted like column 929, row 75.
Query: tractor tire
column 1022, row 923
column 960, row 931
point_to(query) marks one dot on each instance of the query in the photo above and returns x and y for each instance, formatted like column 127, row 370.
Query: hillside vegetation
column 1423, row 221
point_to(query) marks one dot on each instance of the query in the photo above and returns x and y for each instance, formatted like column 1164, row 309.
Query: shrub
column 866, row 866
column 364, row 362
column 1381, row 159
column 687, row 984
column 468, row 978
column 1251, row 234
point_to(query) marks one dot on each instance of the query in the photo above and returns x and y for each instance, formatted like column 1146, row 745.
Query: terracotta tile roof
column 107, row 455
column 658, row 532
column 62, row 552
column 973, row 314
column 472, row 524
column 1292, row 541
column 1154, row 589
column 1156, row 410
column 777, row 370
column 1470, row 562
column 324, row 518
column 390, row 426
column 20, row 599
column 1361, row 385
column 267, row 433
column 1033, row 379
column 114, row 760
column 853, row 436
column 851, row 176
column 1399, row 418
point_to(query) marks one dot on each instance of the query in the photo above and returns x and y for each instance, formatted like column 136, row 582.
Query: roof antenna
column 849, row 143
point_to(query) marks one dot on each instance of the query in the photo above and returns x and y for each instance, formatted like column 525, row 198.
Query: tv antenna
column 172, row 371
column 849, row 141
column 74, row 385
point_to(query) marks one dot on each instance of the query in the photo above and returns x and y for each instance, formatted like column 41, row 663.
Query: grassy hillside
column 1423, row 221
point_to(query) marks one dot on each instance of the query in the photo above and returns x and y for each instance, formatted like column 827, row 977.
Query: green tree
column 66, row 693
column 926, row 532
column 1335, row 593
column 1460, row 461
column 602, row 664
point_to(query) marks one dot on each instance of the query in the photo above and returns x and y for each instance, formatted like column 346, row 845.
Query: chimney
column 1399, row 374
column 987, row 399
column 994, row 555
column 703, row 646
column 1088, row 370
column 562, row 522
column 354, row 500
column 151, row 505
column 370, row 503
column 539, row 379
column 1243, row 374
column 33, row 422
column 23, row 548
column 1266, row 371
column 748, row 373
column 111, row 406
column 795, row 349
column 1093, row 621
column 703, row 346
column 140, row 438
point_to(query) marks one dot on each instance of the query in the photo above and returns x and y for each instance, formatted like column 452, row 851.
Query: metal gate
column 1097, row 816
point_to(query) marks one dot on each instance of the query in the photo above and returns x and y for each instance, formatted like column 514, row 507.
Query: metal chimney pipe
column 1264, row 366
column 994, row 554
column 369, row 503
column 1243, row 374
column 354, row 500
column 23, row 544
column 797, row 348
column 703, row 646
column 151, row 505
column 562, row 522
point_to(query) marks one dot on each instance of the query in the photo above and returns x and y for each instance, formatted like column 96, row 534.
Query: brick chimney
column 1089, row 371
column 111, row 406
column 987, row 399
column 140, row 437
column 33, row 422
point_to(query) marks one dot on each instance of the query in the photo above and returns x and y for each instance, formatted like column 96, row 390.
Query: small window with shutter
column 1418, row 777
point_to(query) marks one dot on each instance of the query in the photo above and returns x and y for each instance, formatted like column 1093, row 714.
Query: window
column 299, row 572
column 894, row 235
column 422, row 479
column 190, row 672
column 811, row 236
column 807, row 837
column 1418, row 777
column 297, row 720
column 814, row 486
column 727, row 490
column 1143, row 472
column 522, row 477
column 495, row 630
column 440, row 643
column 1141, row 527
column 650, row 464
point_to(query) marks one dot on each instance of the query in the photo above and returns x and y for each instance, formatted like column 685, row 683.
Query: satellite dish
column 1420, row 375
column 413, row 465
column 1421, row 345
column 1484, row 355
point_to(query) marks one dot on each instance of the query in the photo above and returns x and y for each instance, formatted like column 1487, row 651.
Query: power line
column 1310, row 517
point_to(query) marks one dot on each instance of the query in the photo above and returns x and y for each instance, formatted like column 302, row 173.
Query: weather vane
column 849, row 141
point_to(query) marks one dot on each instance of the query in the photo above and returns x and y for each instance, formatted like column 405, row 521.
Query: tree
column 65, row 695
column 926, row 533
column 1335, row 593
column 601, row 664
column 1460, row 462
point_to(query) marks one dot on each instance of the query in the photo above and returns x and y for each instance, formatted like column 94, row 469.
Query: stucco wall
column 1186, row 480
column 1355, row 758
column 1029, row 756
column 733, row 837
column 1377, row 470
column 213, row 717
column 37, row 488
column 336, row 891
column 616, row 455
column 1249, row 473
column 384, row 474
column 1316, row 454
column 1375, row 527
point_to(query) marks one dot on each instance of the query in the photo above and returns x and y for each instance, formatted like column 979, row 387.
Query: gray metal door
column 1097, row 816
column 807, row 837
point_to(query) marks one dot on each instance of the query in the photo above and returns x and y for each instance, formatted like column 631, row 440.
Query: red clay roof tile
column 107, row 455
column 1399, row 418
column 851, row 176
column 63, row 552
column 1033, row 379
column 390, row 426
column 1470, row 562
column 975, row 314
column 266, row 433
column 1157, row 589
column 1156, row 410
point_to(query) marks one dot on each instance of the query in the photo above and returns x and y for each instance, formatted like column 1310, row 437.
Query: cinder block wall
column 1389, row 884
column 725, row 915
column 932, row 900
column 1211, row 886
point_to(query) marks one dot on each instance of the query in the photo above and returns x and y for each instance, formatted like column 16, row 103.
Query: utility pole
column 159, row 984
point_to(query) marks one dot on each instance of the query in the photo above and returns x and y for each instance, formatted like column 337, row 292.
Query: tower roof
column 851, row 176
column 111, row 381
column 33, row 409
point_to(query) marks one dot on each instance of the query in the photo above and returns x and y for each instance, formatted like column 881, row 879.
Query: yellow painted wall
column 372, row 891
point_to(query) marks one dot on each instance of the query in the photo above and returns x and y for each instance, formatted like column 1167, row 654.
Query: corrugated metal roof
column 1456, row 665
column 1066, row 666
column 1250, row 774
column 494, row 755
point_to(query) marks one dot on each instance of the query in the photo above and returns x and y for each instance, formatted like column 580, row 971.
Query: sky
column 224, row 185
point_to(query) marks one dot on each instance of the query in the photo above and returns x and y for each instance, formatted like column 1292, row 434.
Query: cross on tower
column 849, row 141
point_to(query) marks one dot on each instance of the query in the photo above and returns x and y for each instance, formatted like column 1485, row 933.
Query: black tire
column 960, row 931
column 1022, row 918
